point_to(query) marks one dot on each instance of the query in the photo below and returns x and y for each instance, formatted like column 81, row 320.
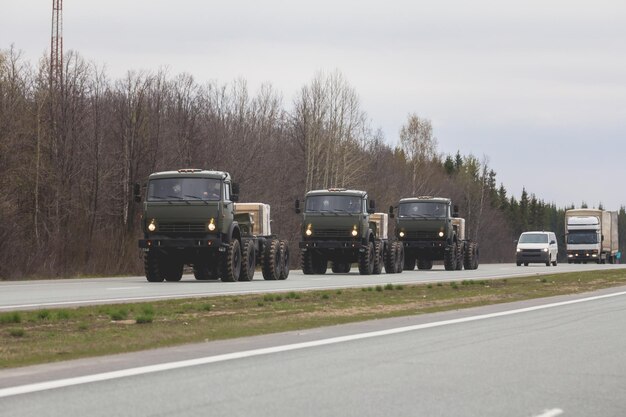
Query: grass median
column 42, row 336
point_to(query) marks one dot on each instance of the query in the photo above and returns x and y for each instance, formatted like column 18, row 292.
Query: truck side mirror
column 235, row 188
column 372, row 207
column 234, row 198
column 455, row 212
column 298, row 211
column 603, row 238
column 137, row 192
column 391, row 214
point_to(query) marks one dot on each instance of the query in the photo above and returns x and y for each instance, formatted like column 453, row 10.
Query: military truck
column 190, row 217
column 339, row 226
column 430, row 232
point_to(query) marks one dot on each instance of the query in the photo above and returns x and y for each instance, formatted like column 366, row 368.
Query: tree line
column 71, row 151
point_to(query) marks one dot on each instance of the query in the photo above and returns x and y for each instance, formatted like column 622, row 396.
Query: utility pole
column 56, row 44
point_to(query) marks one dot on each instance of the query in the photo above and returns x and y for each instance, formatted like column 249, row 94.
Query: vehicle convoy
column 190, row 217
column 340, row 226
column 429, row 232
column 591, row 235
column 537, row 247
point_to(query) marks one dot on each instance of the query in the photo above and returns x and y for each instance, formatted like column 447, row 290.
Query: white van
column 537, row 247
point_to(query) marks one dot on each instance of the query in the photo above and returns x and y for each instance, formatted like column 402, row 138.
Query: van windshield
column 533, row 238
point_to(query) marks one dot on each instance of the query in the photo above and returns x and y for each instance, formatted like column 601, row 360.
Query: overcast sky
column 538, row 87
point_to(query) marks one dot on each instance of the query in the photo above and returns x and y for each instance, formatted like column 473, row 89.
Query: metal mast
column 56, row 47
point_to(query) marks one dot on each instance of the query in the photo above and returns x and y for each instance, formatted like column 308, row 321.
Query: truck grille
column 338, row 233
column 182, row 227
column 421, row 235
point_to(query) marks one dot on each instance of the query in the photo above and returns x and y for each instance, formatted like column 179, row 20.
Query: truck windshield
column 333, row 203
column 582, row 238
column 184, row 189
column 533, row 238
column 422, row 209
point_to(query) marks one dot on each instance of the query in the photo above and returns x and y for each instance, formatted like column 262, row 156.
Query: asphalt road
column 23, row 295
column 560, row 356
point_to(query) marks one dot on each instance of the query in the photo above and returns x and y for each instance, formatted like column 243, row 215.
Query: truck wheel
column 390, row 258
column 171, row 270
column 424, row 264
column 204, row 272
column 468, row 256
column 248, row 261
column 320, row 264
column 378, row 257
column 306, row 262
column 409, row 262
column 151, row 266
column 340, row 267
column 460, row 253
column 366, row 260
column 449, row 257
column 271, row 261
column 284, row 270
column 231, row 262
column 399, row 256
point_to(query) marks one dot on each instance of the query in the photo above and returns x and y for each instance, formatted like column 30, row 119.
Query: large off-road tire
column 231, row 262
column 366, row 260
column 248, row 261
column 378, row 257
column 468, row 257
column 320, row 264
column 306, row 263
column 171, row 269
column 424, row 264
column 205, row 272
column 460, row 253
column 151, row 266
column 272, row 263
column 284, row 270
column 409, row 262
column 390, row 258
column 449, row 257
column 340, row 267
column 399, row 256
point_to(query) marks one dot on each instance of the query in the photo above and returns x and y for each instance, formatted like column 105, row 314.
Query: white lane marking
column 320, row 279
column 61, row 383
column 551, row 413
column 123, row 288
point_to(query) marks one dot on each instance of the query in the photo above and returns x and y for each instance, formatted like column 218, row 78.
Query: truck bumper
column 181, row 243
column 582, row 255
column 331, row 244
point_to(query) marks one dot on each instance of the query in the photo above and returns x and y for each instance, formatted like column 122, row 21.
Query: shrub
column 119, row 315
column 43, row 314
column 13, row 317
column 389, row 287
column 17, row 332
column 144, row 319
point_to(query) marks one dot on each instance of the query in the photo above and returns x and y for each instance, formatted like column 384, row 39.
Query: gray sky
column 538, row 87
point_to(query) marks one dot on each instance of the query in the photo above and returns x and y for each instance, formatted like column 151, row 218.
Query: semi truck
column 340, row 226
column 191, row 217
column 429, row 231
column 591, row 235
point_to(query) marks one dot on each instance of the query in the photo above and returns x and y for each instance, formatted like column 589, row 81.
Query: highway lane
column 23, row 295
column 558, row 356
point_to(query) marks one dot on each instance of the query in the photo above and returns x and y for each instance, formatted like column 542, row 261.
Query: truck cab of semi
column 591, row 235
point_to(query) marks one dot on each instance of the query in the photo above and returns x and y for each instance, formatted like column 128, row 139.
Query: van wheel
column 555, row 262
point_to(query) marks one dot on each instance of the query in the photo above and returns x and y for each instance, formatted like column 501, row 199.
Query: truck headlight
column 211, row 225
column 401, row 234
column 354, row 232
column 152, row 225
column 440, row 234
column 308, row 230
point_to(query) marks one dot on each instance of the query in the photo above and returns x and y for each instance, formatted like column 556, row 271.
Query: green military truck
column 429, row 232
column 339, row 226
column 190, row 217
